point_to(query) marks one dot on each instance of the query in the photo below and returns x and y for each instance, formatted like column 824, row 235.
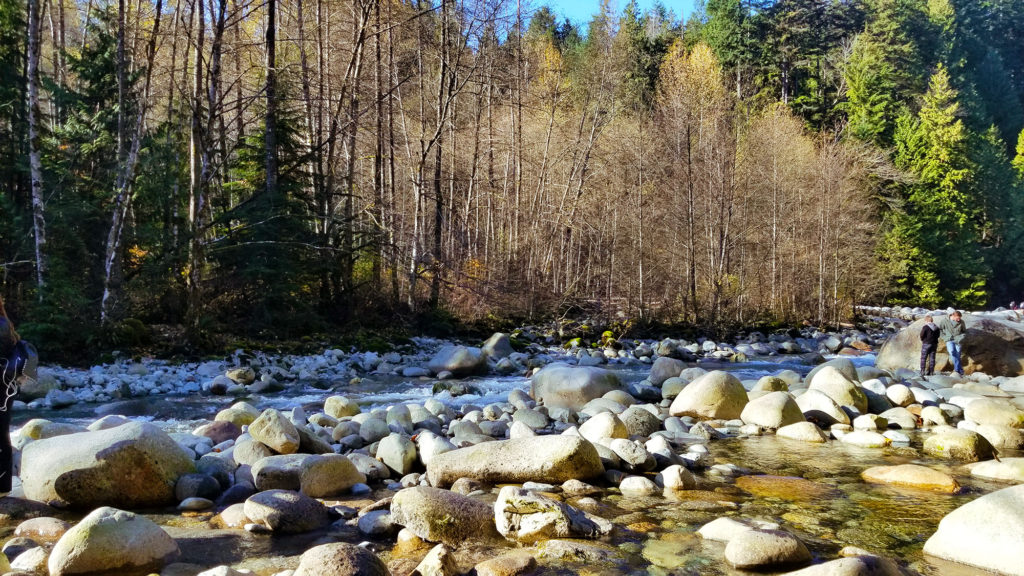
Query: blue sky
column 580, row 11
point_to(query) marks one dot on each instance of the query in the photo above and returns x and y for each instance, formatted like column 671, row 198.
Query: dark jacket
column 7, row 340
column 930, row 335
column 952, row 331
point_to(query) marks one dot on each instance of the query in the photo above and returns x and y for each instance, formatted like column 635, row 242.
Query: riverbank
column 641, row 449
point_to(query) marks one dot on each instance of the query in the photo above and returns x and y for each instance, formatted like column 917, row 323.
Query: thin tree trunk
column 270, row 141
column 34, row 141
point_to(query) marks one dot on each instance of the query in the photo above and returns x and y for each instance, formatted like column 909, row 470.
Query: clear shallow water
column 831, row 509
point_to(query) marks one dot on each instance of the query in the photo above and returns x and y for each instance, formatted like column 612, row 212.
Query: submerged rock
column 913, row 476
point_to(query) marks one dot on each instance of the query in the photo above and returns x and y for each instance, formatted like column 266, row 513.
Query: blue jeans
column 954, row 354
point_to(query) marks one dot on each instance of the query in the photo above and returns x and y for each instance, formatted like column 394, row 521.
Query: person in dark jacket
column 8, row 388
column 929, row 345
column 952, row 329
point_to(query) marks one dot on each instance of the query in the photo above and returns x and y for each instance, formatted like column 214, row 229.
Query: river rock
column 861, row 565
column 995, row 413
column 539, row 459
column 340, row 407
column 112, row 540
column 440, row 561
column 511, row 564
column 763, row 549
column 276, row 431
column 986, row 533
column 443, row 516
column 602, row 426
column 992, row 345
column 665, row 368
column 340, row 558
column 821, row 408
column 1004, row 470
column 958, row 444
column 134, row 466
column 525, row 516
column 715, row 395
column 913, row 476
column 397, row 453
column 329, row 475
column 773, row 410
column 459, row 360
column 676, row 477
column 286, row 511
column 865, row 439
column 1000, row 436
column 831, row 382
column 43, row 529
column 563, row 386
column 803, row 431
column 498, row 346
column 900, row 395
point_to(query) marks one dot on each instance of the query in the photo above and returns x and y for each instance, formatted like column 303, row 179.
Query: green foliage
column 870, row 105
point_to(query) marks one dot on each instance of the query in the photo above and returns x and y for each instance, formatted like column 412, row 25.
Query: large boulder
column 993, row 345
column 715, row 395
column 838, row 386
column 773, row 410
column 340, row 558
column 443, row 516
column 459, row 360
column 552, row 459
column 132, row 466
column 109, row 540
column 986, row 533
column 562, row 386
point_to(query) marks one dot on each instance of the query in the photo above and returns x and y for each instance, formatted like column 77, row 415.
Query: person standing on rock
column 952, row 330
column 8, row 388
column 929, row 345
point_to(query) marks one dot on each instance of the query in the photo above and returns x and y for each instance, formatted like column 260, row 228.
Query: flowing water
column 814, row 491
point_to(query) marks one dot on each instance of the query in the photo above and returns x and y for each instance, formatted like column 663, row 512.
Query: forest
column 271, row 169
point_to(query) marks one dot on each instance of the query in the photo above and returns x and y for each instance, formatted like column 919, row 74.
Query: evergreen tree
column 943, row 261
column 1018, row 160
column 871, row 104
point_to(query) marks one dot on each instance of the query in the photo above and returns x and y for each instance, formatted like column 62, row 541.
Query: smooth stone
column 276, row 431
column 1003, row 470
column 602, row 426
column 510, row 564
column 329, row 475
column 803, row 431
column 676, row 477
column 773, row 410
column 664, row 368
column 44, row 529
column 286, row 511
column 398, row 453
column 841, row 389
column 112, row 540
column 443, row 516
column 821, row 408
column 340, row 558
column 986, row 533
column 540, row 459
column 854, row 566
column 913, row 476
column 865, row 439
column 994, row 413
column 459, row 361
column 723, row 529
column 761, row 549
column 135, row 466
column 715, row 395
column 563, row 386
column 958, row 444
column 638, row 486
